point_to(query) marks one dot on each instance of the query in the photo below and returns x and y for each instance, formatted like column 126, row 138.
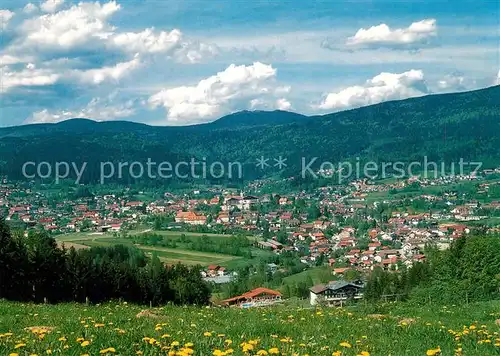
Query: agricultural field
column 172, row 233
column 121, row 329
column 171, row 255
column 166, row 254
column 76, row 236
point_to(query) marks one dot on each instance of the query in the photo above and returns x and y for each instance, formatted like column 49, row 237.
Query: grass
column 169, row 255
column 318, row 275
column 75, row 236
column 179, row 233
column 394, row 329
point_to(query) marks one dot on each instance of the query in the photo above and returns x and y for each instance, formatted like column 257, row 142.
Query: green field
column 169, row 255
column 90, row 235
column 318, row 275
column 391, row 329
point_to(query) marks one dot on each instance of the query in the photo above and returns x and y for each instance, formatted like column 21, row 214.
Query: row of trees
column 35, row 269
column 468, row 271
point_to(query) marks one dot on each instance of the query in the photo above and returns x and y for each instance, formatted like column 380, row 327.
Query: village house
column 215, row 270
column 284, row 201
column 223, row 218
column 270, row 244
column 190, row 217
column 240, row 202
column 335, row 293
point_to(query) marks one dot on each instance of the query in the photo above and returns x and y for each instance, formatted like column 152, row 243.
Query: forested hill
column 442, row 127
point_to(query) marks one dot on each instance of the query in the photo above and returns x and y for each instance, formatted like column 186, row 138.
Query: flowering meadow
column 123, row 329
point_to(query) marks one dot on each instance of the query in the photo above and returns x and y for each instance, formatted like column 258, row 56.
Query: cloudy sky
column 180, row 62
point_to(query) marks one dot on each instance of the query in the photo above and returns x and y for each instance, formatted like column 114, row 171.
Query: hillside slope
column 442, row 127
column 395, row 329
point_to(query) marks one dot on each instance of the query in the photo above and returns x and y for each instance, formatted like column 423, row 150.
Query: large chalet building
column 336, row 293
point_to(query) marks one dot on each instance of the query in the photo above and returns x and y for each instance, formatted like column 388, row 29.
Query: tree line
column 34, row 268
column 468, row 271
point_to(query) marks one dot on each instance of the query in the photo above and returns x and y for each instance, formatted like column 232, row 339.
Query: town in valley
column 318, row 245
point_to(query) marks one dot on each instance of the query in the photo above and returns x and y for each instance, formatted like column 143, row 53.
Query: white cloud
column 383, row 36
column 72, row 27
column 265, row 103
column 147, row 41
column 97, row 109
column 497, row 80
column 45, row 116
column 51, row 5
column 215, row 95
column 30, row 76
column 5, row 17
column 30, row 8
column 283, row 104
column 7, row 59
column 111, row 73
column 86, row 25
column 454, row 82
column 170, row 43
column 383, row 87
column 257, row 103
column 194, row 52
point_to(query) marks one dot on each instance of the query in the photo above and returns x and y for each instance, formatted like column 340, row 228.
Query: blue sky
column 182, row 62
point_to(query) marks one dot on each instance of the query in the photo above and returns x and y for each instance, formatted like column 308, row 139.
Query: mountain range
column 444, row 127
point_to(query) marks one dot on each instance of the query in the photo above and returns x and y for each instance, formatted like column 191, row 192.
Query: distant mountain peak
column 247, row 118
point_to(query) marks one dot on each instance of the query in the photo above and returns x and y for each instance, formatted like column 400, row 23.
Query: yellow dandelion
column 108, row 350
column 433, row 352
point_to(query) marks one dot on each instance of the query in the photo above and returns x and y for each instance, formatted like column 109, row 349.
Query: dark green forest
column 442, row 127
column 35, row 269
column 468, row 271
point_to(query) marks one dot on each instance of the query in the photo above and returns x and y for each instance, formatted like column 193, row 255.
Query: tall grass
column 114, row 328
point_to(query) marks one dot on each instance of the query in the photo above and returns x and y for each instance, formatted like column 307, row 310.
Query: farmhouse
column 190, row 217
column 215, row 270
column 270, row 244
column 254, row 298
column 335, row 293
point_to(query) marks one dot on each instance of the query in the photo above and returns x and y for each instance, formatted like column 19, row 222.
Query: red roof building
column 255, row 297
